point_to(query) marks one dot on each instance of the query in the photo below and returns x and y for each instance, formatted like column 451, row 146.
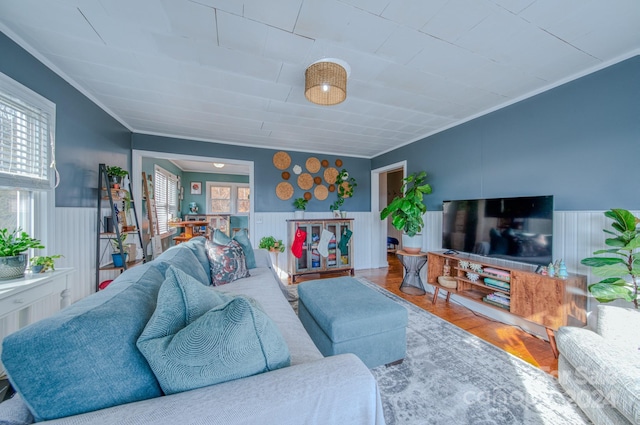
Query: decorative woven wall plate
column 321, row 192
column 307, row 196
column 285, row 175
column 338, row 163
column 346, row 186
column 305, row 181
column 317, row 180
column 281, row 160
column 332, row 188
column 313, row 165
column 284, row 191
column 324, row 163
column 330, row 175
column 297, row 169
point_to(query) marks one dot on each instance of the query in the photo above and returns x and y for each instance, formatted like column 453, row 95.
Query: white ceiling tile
column 412, row 13
column 191, row 20
column 514, row 6
column 402, row 45
column 456, row 18
column 143, row 14
column 373, row 6
column 286, row 46
column 242, row 34
column 284, row 16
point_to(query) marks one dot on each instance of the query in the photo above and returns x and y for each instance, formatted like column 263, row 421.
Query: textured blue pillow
column 243, row 239
column 85, row 358
column 188, row 348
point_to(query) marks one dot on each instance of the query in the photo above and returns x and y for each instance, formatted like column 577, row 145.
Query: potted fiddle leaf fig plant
column 621, row 267
column 13, row 259
column 40, row 264
column 407, row 209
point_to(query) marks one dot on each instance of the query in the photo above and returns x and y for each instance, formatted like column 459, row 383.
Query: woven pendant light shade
column 325, row 83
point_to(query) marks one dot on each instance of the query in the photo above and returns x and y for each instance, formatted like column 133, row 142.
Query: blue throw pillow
column 188, row 348
column 64, row 364
column 243, row 239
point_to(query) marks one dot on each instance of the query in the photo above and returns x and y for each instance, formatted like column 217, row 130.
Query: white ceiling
column 208, row 167
column 233, row 71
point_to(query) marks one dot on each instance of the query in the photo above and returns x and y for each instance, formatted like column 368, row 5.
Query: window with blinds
column 166, row 196
column 27, row 130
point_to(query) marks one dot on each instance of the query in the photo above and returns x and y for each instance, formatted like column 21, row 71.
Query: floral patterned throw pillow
column 227, row 262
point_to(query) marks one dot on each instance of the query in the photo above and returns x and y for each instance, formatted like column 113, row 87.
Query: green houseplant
column 406, row 210
column 622, row 263
column 300, row 204
column 13, row 245
column 119, row 257
column 345, row 185
column 115, row 174
column 40, row 264
column 271, row 244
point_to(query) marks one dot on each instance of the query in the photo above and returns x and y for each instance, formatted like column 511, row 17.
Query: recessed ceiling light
column 218, row 165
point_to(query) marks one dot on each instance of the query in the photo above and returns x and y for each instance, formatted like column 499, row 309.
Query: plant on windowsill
column 623, row 265
column 40, row 264
column 407, row 210
column 300, row 204
column 345, row 186
column 13, row 245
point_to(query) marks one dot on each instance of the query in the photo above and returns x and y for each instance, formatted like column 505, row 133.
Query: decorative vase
column 343, row 214
column 412, row 244
column 37, row 269
column 13, row 267
column 298, row 214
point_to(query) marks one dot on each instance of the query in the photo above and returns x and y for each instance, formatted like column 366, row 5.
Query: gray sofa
column 600, row 368
column 312, row 390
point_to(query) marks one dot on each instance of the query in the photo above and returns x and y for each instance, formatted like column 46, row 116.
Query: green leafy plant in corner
column 300, row 204
column 272, row 244
column 407, row 210
column 47, row 262
column 114, row 171
column 115, row 245
column 16, row 242
column 345, row 185
column 623, row 262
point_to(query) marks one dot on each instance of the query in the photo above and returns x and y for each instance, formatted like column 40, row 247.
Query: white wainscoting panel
column 577, row 234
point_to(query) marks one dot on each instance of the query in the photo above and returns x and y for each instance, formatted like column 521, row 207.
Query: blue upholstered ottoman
column 344, row 316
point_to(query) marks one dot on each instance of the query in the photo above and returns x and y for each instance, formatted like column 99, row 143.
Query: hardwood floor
column 512, row 339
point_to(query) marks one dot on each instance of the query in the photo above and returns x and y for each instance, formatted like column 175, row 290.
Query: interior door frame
column 379, row 246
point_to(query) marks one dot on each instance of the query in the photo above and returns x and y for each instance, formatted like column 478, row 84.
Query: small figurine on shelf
column 446, row 269
column 551, row 271
column 193, row 207
column 562, row 270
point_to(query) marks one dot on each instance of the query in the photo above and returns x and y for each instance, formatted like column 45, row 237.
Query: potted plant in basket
column 623, row 264
column 40, row 264
column 300, row 204
column 271, row 244
column 13, row 245
column 407, row 210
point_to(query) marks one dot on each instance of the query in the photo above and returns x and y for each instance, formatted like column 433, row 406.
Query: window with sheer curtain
column 27, row 129
column 166, row 196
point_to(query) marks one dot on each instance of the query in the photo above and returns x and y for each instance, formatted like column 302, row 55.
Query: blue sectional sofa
column 82, row 366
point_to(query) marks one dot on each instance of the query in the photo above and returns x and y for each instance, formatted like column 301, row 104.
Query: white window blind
column 166, row 197
column 26, row 137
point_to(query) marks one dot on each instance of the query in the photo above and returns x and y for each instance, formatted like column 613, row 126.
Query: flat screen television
column 516, row 229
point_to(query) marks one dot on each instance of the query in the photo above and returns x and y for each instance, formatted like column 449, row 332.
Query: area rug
column 450, row 376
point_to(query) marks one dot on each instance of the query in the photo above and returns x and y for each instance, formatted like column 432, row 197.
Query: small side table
column 413, row 263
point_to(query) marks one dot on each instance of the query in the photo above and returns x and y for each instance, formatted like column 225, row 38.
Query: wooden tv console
column 547, row 301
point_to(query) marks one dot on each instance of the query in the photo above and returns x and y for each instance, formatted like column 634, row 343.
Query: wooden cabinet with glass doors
column 311, row 261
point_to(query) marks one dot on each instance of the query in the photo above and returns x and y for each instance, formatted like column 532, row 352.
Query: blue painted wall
column 266, row 175
column 85, row 135
column 579, row 142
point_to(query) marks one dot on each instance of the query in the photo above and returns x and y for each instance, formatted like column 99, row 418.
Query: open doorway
column 202, row 173
column 385, row 185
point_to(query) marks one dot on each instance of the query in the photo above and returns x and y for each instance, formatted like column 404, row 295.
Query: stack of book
column 498, row 299
column 500, row 274
column 497, row 284
column 331, row 258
